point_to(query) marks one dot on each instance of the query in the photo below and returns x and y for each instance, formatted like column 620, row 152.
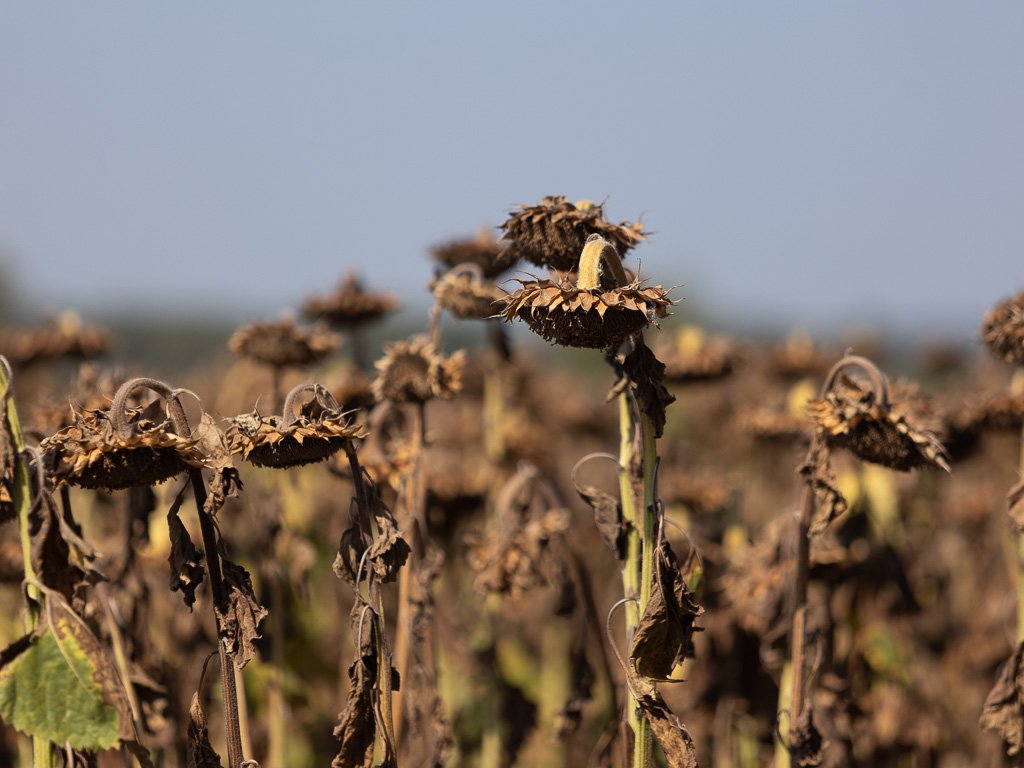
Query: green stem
column 44, row 754
column 630, row 575
column 643, row 746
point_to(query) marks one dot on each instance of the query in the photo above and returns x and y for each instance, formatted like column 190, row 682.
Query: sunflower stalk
column 44, row 753
column 638, row 572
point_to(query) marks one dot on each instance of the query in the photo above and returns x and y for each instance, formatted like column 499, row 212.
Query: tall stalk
column 44, row 753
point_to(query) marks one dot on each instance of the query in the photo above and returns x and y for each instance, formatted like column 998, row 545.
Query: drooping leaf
column 61, row 685
column 664, row 637
column 672, row 736
column 807, row 747
column 829, row 502
column 611, row 524
column 241, row 619
column 357, row 724
column 186, row 571
column 224, row 482
column 647, row 374
column 1015, row 504
column 389, row 550
column 199, row 753
column 1004, row 706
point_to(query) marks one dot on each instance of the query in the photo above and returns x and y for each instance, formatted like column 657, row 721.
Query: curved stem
column 119, row 415
column 596, row 252
column 873, row 371
column 467, row 267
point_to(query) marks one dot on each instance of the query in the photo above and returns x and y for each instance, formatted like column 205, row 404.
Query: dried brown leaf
column 244, row 613
column 829, row 502
column 186, row 571
column 1015, row 504
column 664, row 637
column 611, row 524
column 1003, row 712
column 199, row 753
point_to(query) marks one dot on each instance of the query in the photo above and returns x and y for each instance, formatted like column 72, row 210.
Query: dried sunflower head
column 103, row 450
column 320, row 430
column 62, row 336
column 350, row 305
column 863, row 420
column 554, row 232
column 465, row 293
column 282, row 344
column 416, row 371
column 590, row 318
column 1003, row 330
column 482, row 250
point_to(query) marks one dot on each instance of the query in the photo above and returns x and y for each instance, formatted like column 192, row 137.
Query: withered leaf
column 357, row 723
column 240, row 621
column 61, row 558
column 350, row 553
column 807, row 747
column 186, row 572
column 829, row 502
column 647, row 373
column 612, row 526
column 224, row 482
column 1015, row 504
column 1003, row 712
column 672, row 736
column 389, row 550
column 664, row 637
column 199, row 753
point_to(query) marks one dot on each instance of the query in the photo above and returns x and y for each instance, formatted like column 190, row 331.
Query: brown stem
column 881, row 388
column 799, row 638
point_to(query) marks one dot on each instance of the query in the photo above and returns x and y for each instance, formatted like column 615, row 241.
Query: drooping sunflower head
column 865, row 422
column 483, row 250
column 1003, row 330
column 123, row 447
column 466, row 293
column 553, row 233
column 64, row 336
column 417, row 371
column 283, row 344
column 350, row 305
column 318, row 431
column 589, row 318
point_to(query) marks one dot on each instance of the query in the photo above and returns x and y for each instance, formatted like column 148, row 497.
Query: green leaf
column 52, row 689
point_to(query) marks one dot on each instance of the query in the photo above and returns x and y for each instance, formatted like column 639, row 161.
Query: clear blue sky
column 799, row 162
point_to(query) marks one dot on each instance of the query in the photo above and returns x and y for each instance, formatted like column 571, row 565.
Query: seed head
column 350, row 305
column 590, row 318
column 553, row 233
column 320, row 430
column 867, row 424
column 465, row 293
column 92, row 453
column 65, row 336
column 1003, row 330
column 482, row 250
column 416, row 371
column 282, row 344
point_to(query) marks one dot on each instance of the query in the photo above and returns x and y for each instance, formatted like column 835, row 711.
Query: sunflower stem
column 598, row 252
column 44, row 753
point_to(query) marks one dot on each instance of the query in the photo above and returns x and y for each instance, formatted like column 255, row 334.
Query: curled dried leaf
column 240, row 619
column 664, row 637
column 1003, row 712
